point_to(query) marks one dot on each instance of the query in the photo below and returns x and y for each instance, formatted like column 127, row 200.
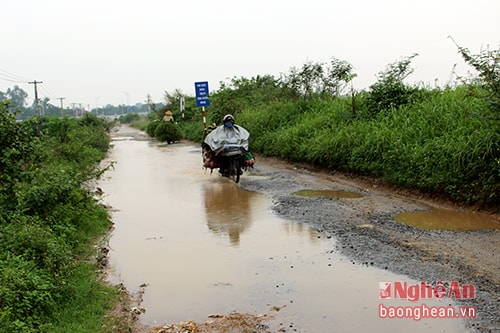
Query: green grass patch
column 86, row 311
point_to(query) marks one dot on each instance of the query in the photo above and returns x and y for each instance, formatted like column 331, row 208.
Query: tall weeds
column 436, row 145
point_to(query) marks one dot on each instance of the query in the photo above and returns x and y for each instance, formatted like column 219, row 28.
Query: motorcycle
column 231, row 160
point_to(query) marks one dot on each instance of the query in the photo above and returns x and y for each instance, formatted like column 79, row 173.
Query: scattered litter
column 231, row 323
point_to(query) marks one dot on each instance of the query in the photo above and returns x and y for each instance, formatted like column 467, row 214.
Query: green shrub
column 168, row 132
column 151, row 128
column 487, row 65
column 18, row 152
column 129, row 118
column 27, row 293
column 390, row 92
column 35, row 241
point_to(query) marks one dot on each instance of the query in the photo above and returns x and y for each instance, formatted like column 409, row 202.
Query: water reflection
column 302, row 229
column 228, row 209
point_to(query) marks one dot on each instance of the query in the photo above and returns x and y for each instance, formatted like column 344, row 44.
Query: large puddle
column 205, row 246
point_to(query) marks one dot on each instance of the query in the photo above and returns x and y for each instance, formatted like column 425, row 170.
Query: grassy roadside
column 49, row 224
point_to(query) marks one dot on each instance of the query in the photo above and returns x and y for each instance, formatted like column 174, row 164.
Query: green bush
column 27, row 293
column 18, row 152
column 129, row 118
column 151, row 128
column 390, row 92
column 168, row 132
column 487, row 65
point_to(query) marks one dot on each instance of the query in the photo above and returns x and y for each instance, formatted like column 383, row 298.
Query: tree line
column 19, row 106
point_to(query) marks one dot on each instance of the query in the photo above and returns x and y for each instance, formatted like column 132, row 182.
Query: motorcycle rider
column 227, row 133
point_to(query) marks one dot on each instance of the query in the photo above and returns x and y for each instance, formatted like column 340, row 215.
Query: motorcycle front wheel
column 234, row 167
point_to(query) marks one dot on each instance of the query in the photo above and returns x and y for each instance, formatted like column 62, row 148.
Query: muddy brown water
column 445, row 219
column 204, row 246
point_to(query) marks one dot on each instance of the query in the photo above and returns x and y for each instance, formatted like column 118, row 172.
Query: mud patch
column 445, row 219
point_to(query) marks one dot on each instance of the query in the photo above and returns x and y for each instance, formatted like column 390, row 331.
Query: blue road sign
column 201, row 90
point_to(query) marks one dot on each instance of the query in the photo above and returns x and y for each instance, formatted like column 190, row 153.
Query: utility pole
column 36, row 107
column 62, row 108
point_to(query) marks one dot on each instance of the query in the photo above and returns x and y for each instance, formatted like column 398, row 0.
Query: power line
column 48, row 91
column 15, row 81
column 7, row 76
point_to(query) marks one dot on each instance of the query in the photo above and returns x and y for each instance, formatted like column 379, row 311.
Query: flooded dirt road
column 199, row 245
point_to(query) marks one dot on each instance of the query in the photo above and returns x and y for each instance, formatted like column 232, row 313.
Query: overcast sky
column 98, row 52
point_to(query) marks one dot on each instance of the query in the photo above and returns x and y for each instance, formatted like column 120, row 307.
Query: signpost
column 183, row 107
column 201, row 89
